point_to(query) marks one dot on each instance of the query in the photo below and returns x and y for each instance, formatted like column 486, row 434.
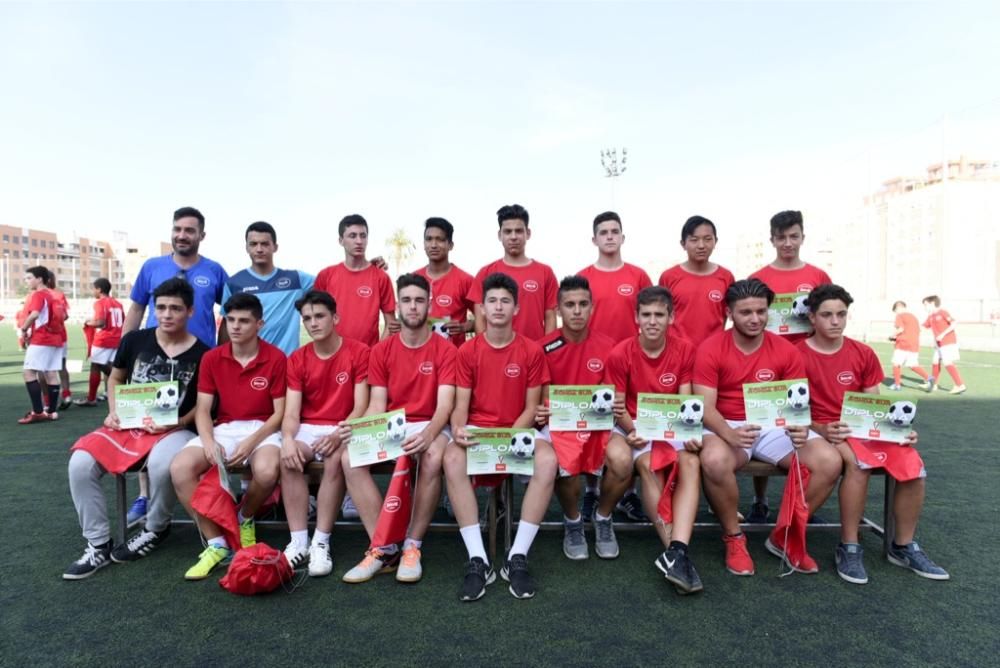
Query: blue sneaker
column 912, row 557
column 137, row 510
column 850, row 563
column 631, row 506
column 759, row 512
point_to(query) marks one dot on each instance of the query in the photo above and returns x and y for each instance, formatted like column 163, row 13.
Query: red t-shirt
column 243, row 392
column 632, row 371
column 536, row 293
column 783, row 281
column 723, row 366
column 699, row 301
column 327, row 385
column 909, row 338
column 361, row 296
column 412, row 376
column 576, row 363
column 615, row 294
column 499, row 378
column 450, row 297
column 110, row 311
column 47, row 329
column 851, row 369
column 937, row 321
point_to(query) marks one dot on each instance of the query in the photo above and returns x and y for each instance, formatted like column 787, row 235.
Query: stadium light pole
column 613, row 168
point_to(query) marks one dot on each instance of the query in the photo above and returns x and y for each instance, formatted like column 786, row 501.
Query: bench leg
column 491, row 523
column 121, row 509
column 888, row 517
column 508, row 514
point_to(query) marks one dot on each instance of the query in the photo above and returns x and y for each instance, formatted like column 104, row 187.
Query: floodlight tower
column 612, row 168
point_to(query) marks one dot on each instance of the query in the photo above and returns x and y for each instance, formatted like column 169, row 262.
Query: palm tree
column 400, row 248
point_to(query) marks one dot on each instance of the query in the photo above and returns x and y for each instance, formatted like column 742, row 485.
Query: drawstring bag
column 258, row 569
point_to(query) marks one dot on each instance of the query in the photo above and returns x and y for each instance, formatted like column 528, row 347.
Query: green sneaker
column 210, row 558
column 248, row 533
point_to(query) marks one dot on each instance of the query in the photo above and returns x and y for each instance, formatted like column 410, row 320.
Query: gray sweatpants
column 88, row 497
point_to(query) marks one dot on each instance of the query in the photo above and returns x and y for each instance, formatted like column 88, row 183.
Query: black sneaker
column 759, row 513
column 679, row 571
column 478, row 574
column 94, row 558
column 631, row 507
column 589, row 503
column 139, row 545
column 515, row 571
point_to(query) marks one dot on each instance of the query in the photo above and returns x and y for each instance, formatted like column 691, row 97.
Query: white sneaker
column 348, row 509
column 410, row 569
column 320, row 562
column 375, row 562
column 297, row 555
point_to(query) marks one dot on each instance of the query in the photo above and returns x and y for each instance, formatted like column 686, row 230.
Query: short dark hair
column 512, row 212
column 575, row 282
column 244, row 301
column 653, row 294
column 933, row 299
column 747, row 288
column 347, row 221
column 605, row 217
column 899, row 303
column 104, row 285
column 190, row 212
column 500, row 281
column 441, row 224
column 782, row 220
column 406, row 280
column 175, row 287
column 317, row 297
column 693, row 223
column 261, row 227
column 38, row 272
column 825, row 292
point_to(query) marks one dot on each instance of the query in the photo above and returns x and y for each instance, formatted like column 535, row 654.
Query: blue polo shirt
column 277, row 292
column 207, row 278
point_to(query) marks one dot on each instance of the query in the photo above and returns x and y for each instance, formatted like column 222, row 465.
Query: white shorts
column 946, row 354
column 772, row 445
column 43, row 358
column 906, row 358
column 228, row 436
column 102, row 356
column 638, row 452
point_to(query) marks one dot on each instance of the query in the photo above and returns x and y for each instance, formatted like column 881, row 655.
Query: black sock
column 53, row 398
column 678, row 545
column 35, row 392
column 896, row 546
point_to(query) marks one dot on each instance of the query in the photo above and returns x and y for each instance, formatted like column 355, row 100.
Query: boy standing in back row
column 942, row 325
column 906, row 340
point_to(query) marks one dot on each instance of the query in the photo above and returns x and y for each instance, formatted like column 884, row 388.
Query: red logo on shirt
column 530, row 285
column 595, row 364
column 443, row 300
column 764, row 375
column 512, row 370
column 364, row 291
column 845, row 377
column 342, row 378
column 426, row 368
column 879, row 455
column 259, row 383
column 668, row 379
column 392, row 504
column 715, row 295
column 625, row 289
column 583, row 436
column 804, row 287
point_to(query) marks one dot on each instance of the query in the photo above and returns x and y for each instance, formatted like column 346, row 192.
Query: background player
column 107, row 321
column 942, row 325
column 450, row 286
column 906, row 352
column 45, row 332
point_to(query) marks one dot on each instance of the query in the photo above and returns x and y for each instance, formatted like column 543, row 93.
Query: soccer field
column 594, row 612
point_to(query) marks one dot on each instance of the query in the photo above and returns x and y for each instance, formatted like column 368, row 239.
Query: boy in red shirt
column 500, row 376
column 107, row 321
column 836, row 364
column 413, row 370
column 697, row 285
column 244, row 380
column 946, row 352
column 45, row 332
column 450, row 286
column 536, row 311
column 359, row 287
column 327, row 384
column 907, row 347
column 748, row 353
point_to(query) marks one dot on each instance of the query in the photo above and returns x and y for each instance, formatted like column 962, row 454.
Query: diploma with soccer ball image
column 581, row 407
column 147, row 404
column 669, row 417
column 878, row 418
column 779, row 403
column 376, row 438
column 439, row 326
column 501, row 451
column 788, row 314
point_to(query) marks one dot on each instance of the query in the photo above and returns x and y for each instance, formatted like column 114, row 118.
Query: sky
column 112, row 115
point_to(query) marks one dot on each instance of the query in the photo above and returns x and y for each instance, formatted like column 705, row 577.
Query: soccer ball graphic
column 167, row 397
column 798, row 396
column 799, row 307
column 522, row 445
column 902, row 413
column 601, row 402
column 692, row 412
column 395, row 428
column 440, row 329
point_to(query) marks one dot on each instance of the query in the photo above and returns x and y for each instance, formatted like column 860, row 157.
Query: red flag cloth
column 259, row 569
column 902, row 462
column 663, row 456
column 790, row 531
column 488, row 480
column 117, row 450
column 214, row 503
column 269, row 503
column 394, row 519
column 88, row 334
column 580, row 451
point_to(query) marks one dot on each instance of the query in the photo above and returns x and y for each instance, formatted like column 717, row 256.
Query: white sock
column 218, row 542
column 526, row 532
column 300, row 538
column 473, row 539
column 579, row 518
column 321, row 537
column 592, row 487
column 598, row 516
column 412, row 542
column 239, row 516
column 389, row 549
column 244, row 484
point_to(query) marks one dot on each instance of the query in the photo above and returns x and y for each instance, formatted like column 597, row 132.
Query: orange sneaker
column 738, row 560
